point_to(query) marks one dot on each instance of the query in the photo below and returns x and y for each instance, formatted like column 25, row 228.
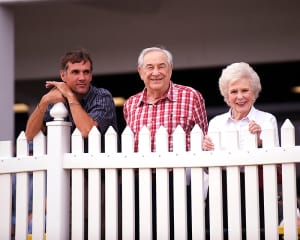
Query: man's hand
column 62, row 87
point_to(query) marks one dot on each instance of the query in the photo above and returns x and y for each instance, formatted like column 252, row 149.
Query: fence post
column 58, row 182
column 6, row 150
column 289, row 193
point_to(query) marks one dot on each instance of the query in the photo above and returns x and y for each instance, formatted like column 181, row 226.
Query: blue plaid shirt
column 99, row 105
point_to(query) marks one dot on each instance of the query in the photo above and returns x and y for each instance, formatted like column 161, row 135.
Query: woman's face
column 240, row 97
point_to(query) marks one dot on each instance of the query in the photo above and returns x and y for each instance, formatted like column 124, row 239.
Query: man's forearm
column 35, row 123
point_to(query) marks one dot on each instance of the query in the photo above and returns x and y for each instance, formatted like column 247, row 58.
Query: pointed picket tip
column 144, row 144
column 287, row 124
column 76, row 132
column 39, row 144
column 111, row 131
column 94, row 131
column 179, row 130
column 161, row 130
column 40, row 135
column 127, row 131
column 197, row 129
column 288, row 138
column 22, row 148
column 144, row 130
column 196, row 139
column 21, row 136
column 161, row 140
column 179, row 140
column 127, row 143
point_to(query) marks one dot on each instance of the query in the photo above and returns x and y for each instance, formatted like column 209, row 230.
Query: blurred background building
column 204, row 37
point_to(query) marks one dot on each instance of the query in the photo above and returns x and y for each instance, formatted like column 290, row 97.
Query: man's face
column 156, row 71
column 78, row 77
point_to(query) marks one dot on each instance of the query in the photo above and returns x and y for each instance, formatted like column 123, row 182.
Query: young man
column 87, row 105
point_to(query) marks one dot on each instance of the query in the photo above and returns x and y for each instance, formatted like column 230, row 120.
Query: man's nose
column 155, row 71
column 81, row 75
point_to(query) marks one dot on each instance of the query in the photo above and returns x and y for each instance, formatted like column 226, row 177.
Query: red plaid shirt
column 181, row 105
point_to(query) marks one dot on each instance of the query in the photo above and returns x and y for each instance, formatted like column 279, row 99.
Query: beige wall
column 199, row 33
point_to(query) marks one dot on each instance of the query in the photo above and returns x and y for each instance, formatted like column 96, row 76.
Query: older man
column 162, row 102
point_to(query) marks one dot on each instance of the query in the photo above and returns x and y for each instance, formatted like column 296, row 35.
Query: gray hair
column 151, row 49
column 237, row 71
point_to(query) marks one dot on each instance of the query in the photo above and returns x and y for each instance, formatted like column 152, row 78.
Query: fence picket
column 162, row 189
column 180, row 187
column 77, row 189
column 111, row 189
column 95, row 186
column 152, row 178
column 289, row 193
column 270, row 189
column 22, row 191
column 128, row 188
column 39, row 190
column 145, row 187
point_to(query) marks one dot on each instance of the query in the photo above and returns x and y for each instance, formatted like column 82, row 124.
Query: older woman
column 240, row 86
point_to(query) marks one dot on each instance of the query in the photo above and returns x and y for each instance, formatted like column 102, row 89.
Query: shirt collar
column 250, row 115
column 169, row 95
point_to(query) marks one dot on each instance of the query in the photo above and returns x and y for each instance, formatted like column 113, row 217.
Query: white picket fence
column 59, row 165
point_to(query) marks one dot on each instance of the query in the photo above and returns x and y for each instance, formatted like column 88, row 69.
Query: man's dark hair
column 75, row 56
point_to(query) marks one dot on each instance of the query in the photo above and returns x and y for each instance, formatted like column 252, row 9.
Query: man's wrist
column 73, row 103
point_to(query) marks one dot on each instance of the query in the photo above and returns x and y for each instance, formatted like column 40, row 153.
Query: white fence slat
column 128, row 188
column 270, row 201
column 39, row 191
column 111, row 204
column 111, row 189
column 270, row 189
column 22, row 192
column 5, row 193
column 180, row 187
column 162, row 189
column 234, row 202
column 289, row 196
column 179, row 140
column 145, row 203
column 215, row 203
column 215, row 136
column 22, row 203
column 252, row 202
column 38, row 205
column 196, row 139
column 145, row 188
column 6, row 204
column 128, row 204
column 289, row 184
column 287, row 134
column 198, row 203
column 162, row 204
column 232, row 139
column 77, row 212
column 180, row 203
column 94, row 188
column 268, row 137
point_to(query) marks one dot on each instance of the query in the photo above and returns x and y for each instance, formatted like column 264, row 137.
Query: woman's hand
column 255, row 128
column 207, row 144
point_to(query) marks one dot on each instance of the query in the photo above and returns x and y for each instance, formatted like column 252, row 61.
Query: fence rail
column 131, row 195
